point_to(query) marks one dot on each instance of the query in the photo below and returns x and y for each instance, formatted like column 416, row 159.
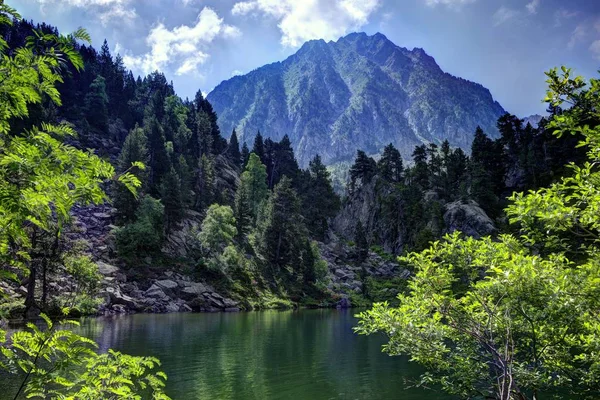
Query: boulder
column 106, row 269
column 116, row 297
column 193, row 290
column 468, row 218
column 168, row 286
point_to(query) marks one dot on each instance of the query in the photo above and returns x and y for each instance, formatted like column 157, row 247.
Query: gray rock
column 468, row 218
column 193, row 290
column 106, row 269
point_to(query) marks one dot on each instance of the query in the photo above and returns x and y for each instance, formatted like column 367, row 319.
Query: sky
column 505, row 45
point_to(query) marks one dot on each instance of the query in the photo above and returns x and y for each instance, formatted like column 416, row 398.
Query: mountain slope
column 361, row 92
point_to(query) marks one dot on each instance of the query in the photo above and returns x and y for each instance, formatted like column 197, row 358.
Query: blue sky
column 506, row 45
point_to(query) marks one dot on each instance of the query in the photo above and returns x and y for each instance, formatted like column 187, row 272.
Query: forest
column 506, row 312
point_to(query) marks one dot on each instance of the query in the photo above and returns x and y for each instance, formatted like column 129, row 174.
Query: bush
column 145, row 235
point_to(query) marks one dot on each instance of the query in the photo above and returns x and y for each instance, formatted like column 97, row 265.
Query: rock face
column 172, row 292
column 468, row 218
column 365, row 205
column 361, row 92
column 346, row 272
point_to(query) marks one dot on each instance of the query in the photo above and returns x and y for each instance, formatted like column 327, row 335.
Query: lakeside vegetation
column 503, row 317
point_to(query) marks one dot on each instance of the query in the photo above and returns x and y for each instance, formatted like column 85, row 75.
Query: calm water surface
column 308, row 354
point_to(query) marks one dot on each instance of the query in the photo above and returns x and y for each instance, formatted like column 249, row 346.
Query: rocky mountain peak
column 359, row 92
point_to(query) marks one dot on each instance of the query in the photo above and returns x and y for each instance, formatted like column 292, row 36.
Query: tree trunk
column 30, row 298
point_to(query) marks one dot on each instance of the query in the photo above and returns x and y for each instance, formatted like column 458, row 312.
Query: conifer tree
column 390, row 165
column 320, row 202
column 254, row 182
column 363, row 170
column 282, row 232
column 245, row 155
column 259, row 148
column 233, row 149
column 96, row 105
column 134, row 150
column 171, row 196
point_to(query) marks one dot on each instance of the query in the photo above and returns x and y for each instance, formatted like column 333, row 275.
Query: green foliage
column 134, row 151
column 510, row 318
column 362, row 171
column 55, row 363
column 144, row 236
column 218, row 229
column 282, row 232
column 96, row 104
column 319, row 201
column 390, row 166
column 254, row 184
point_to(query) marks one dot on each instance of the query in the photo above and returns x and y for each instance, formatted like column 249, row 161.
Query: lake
column 306, row 354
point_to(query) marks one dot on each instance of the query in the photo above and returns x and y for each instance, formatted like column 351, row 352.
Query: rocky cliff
column 361, row 92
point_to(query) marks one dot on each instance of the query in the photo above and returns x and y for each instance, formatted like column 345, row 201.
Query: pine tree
column 245, row 155
column 254, row 182
column 243, row 210
column 134, row 150
column 320, row 202
column 282, row 232
column 204, row 187
column 171, row 197
column 158, row 161
column 259, row 148
column 390, row 165
column 420, row 170
column 233, row 149
column 363, row 170
column 96, row 105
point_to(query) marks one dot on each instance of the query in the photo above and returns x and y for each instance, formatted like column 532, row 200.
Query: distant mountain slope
column 361, row 92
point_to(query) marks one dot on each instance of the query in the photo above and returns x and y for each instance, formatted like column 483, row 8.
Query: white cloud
column 533, row 6
column 595, row 49
column 504, row 14
column 304, row 20
column 184, row 48
column 449, row 3
column 579, row 33
column 106, row 10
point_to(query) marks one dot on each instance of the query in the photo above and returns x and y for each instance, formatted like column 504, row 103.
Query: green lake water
column 307, row 354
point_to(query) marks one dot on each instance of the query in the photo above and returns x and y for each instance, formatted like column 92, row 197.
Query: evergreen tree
column 320, row 202
column 171, row 196
column 158, row 160
column 363, row 169
column 254, row 183
column 259, row 148
column 205, row 178
column 134, row 150
column 233, row 149
column 282, row 231
column 390, row 165
column 243, row 209
column 245, row 155
column 420, row 170
column 96, row 105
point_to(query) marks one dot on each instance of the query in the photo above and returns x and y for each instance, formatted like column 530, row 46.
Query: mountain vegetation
column 494, row 220
column 514, row 317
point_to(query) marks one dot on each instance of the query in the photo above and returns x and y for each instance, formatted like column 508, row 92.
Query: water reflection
column 310, row 354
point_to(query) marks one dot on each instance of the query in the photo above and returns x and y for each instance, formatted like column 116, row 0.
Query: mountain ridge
column 359, row 92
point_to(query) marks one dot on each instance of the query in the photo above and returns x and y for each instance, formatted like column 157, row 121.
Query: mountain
column 534, row 120
column 361, row 92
